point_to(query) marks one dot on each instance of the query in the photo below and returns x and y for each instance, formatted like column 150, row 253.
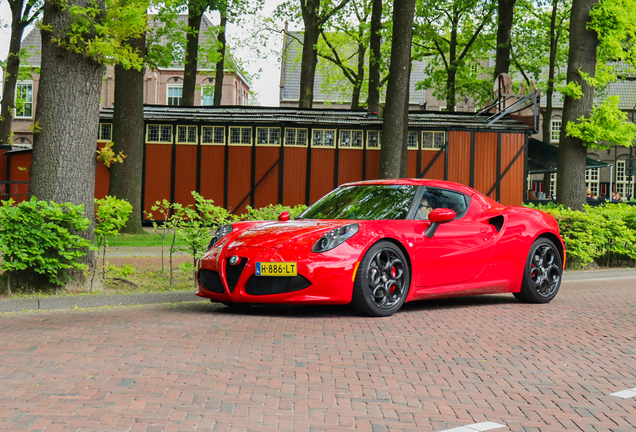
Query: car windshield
column 368, row 202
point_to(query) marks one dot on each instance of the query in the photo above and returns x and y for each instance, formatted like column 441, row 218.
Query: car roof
column 417, row 182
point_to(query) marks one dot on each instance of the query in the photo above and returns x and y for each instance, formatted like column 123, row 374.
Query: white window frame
column 161, row 128
column 350, row 132
column 434, row 140
column 323, row 134
column 623, row 181
column 295, row 143
column 268, row 130
column 555, row 127
column 372, row 136
column 242, row 141
column 203, row 96
column 171, row 86
column 27, row 102
column 188, row 130
column 100, row 132
column 214, row 141
column 553, row 184
column 592, row 180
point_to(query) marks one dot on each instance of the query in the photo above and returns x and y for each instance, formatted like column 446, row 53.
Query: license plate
column 276, row 269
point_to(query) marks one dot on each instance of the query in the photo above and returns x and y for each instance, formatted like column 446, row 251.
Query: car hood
column 296, row 234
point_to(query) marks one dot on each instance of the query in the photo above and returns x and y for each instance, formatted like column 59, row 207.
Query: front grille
column 233, row 272
column 265, row 285
column 211, row 281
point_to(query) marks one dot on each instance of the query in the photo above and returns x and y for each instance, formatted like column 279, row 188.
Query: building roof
column 309, row 117
column 625, row 88
column 33, row 41
column 290, row 82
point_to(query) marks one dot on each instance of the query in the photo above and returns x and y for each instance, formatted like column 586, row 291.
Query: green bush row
column 605, row 234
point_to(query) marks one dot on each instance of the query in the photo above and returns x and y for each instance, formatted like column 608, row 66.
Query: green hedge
column 605, row 234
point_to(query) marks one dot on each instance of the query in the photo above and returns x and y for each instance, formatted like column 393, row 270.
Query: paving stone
column 435, row 365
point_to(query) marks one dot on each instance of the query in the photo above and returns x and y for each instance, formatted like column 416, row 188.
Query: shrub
column 605, row 234
column 111, row 215
column 41, row 236
column 272, row 211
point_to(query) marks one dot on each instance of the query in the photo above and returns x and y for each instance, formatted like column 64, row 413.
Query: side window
column 434, row 198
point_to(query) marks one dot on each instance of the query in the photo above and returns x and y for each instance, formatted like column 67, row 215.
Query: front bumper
column 325, row 278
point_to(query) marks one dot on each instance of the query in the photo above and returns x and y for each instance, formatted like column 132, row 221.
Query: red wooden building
column 257, row 156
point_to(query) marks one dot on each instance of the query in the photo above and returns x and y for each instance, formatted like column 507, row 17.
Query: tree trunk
column 11, row 77
column 451, row 73
column 504, row 27
column 310, row 54
column 393, row 136
column 64, row 158
column 547, row 113
column 357, row 85
column 572, row 152
column 128, row 136
column 375, row 43
column 220, row 66
column 192, row 52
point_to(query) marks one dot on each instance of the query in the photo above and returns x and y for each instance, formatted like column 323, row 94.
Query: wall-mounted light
column 210, row 79
column 176, row 79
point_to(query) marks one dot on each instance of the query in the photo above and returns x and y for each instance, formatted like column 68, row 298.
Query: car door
column 460, row 249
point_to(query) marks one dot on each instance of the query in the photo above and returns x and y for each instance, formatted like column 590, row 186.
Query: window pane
column 434, row 198
column 374, row 202
column 207, row 95
column 412, row 140
column 247, row 136
column 219, row 135
column 301, row 137
column 274, row 136
column 166, row 134
column 235, row 135
column 153, row 133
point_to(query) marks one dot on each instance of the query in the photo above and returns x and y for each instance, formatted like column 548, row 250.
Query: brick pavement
column 435, row 365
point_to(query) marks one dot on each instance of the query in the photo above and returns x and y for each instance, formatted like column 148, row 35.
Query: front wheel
column 542, row 276
column 382, row 281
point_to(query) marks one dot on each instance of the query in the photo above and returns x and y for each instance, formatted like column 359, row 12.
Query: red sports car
column 377, row 244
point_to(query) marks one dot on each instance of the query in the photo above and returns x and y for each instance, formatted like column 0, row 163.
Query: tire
column 543, row 273
column 382, row 281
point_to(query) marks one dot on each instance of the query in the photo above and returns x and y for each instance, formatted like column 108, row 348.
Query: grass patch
column 121, row 280
column 141, row 240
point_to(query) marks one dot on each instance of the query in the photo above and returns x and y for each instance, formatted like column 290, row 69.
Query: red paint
column 466, row 256
column 441, row 215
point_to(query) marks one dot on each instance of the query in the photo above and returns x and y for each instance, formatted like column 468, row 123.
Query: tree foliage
column 455, row 37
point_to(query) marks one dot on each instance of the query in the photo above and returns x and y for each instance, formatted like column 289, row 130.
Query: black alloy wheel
column 543, row 273
column 382, row 281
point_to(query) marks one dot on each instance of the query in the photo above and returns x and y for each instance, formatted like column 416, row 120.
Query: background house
column 162, row 86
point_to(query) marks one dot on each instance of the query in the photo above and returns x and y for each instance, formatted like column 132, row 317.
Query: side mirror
column 437, row 217
column 284, row 216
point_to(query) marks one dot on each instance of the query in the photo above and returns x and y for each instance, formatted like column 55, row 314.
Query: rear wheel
column 382, row 281
column 543, row 273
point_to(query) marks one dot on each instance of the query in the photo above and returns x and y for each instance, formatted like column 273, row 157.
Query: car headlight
column 335, row 237
column 219, row 234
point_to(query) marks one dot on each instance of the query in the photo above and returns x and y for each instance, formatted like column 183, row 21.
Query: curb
column 88, row 301
column 581, row 275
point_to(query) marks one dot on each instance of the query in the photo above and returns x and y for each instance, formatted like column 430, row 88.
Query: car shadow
column 341, row 311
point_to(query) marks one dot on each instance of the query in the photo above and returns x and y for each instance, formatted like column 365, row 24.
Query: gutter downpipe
column 611, row 179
